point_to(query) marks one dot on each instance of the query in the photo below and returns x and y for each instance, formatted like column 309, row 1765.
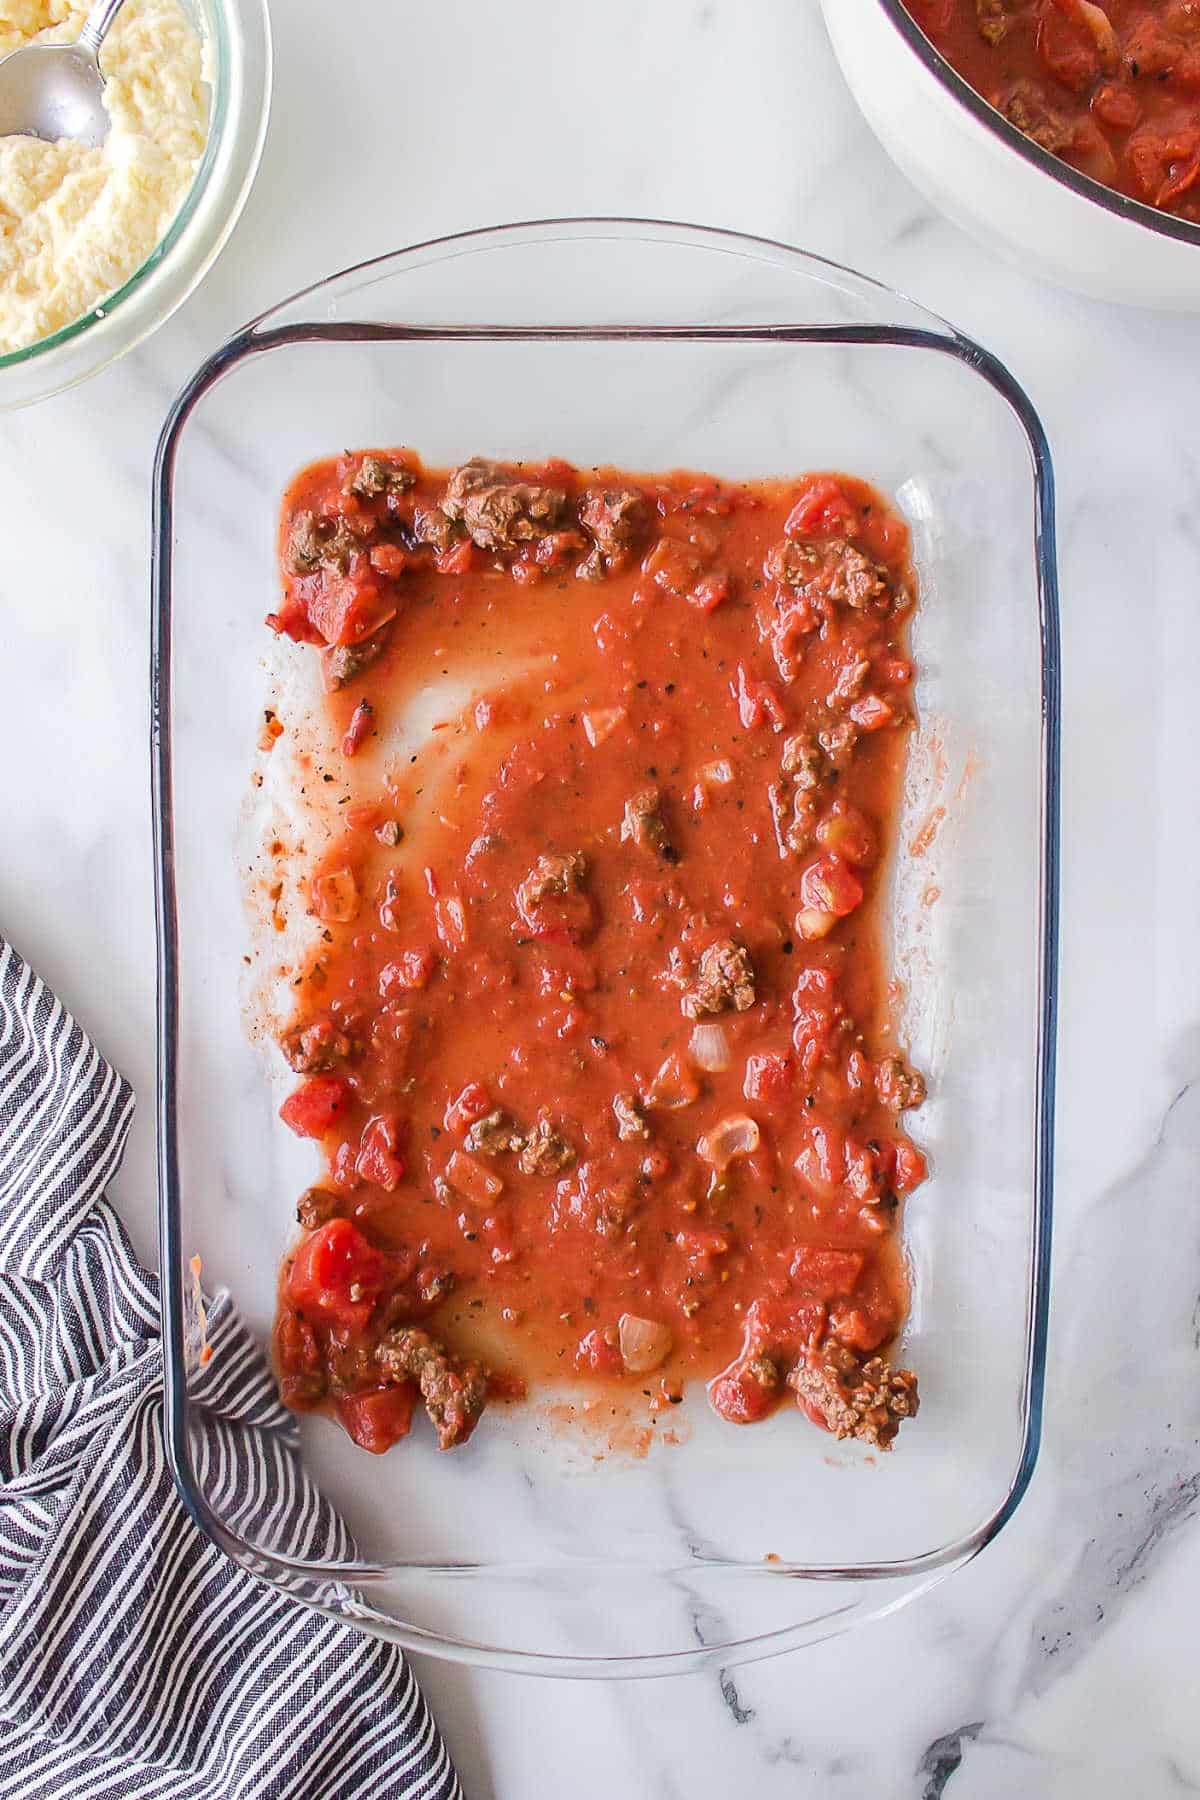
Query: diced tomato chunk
column 344, row 609
column 1067, row 50
column 816, row 983
column 757, row 702
column 741, row 1399
column 379, row 1159
column 1116, row 107
column 292, row 621
column 871, row 712
column 471, row 1104
column 909, row 1168
column 673, row 566
column 812, row 1032
column 378, row 1418
column 783, row 1325
column 600, row 1352
column 769, row 1076
column 472, row 1180
column 863, row 1178
column 830, row 886
column 361, row 725
column 821, row 1160
column 709, row 592
column 408, row 971
column 342, row 1172
column 826, row 1273
column 896, row 671
column 557, row 918
column 311, row 1110
column 389, row 560
column 456, row 561
column 823, row 509
column 858, row 1327
column 337, row 1275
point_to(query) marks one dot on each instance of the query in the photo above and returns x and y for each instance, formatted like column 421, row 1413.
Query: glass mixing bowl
column 649, row 346
column 237, row 38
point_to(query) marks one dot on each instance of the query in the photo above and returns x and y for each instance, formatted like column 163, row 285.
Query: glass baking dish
column 650, row 346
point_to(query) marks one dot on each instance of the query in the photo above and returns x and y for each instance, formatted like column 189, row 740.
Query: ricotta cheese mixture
column 76, row 223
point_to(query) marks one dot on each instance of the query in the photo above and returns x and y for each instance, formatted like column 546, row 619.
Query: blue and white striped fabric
column 135, row 1659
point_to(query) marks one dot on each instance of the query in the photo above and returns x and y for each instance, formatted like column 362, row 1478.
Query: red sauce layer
column 1112, row 88
column 597, row 1039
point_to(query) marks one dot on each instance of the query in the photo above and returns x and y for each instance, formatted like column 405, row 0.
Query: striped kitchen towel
column 135, row 1659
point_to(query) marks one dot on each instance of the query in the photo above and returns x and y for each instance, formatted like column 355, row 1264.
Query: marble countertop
column 1060, row 1662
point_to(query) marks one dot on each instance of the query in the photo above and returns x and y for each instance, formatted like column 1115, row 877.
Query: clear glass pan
column 652, row 346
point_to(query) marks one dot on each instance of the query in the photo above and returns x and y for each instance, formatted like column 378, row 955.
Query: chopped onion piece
column 708, row 1048
column 644, row 1343
column 738, row 1135
column 812, row 924
column 1096, row 20
column 673, row 1086
column 450, row 918
column 601, row 723
column 717, row 774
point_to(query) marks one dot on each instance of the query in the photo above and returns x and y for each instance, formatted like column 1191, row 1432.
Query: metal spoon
column 55, row 91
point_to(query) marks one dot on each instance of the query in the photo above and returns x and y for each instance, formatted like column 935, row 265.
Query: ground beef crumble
column 855, row 1398
column 802, row 761
column 495, row 1135
column 345, row 661
column 377, row 475
column 1025, row 108
column 317, row 1205
column 833, row 570
column 545, row 1151
column 897, row 1085
column 316, row 543
column 454, row 1391
column 317, row 1047
column 631, row 1120
column 724, row 981
column 995, row 17
column 553, row 873
column 644, row 825
column 616, row 520
column 499, row 510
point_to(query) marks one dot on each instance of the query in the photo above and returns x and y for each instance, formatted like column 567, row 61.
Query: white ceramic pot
column 993, row 181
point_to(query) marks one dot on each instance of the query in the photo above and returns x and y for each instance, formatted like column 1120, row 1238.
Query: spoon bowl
column 53, row 91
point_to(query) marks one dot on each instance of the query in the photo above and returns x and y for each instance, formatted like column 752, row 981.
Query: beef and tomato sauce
column 1113, row 88
column 597, row 1037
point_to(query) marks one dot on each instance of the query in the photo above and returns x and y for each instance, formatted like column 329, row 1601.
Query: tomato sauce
column 1113, row 88
column 597, row 1040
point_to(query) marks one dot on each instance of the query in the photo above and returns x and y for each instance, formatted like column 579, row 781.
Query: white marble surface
column 1061, row 1662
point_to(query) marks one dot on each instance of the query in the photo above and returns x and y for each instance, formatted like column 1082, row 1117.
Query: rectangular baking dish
column 649, row 346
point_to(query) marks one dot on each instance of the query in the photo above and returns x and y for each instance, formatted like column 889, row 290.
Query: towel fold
column 137, row 1662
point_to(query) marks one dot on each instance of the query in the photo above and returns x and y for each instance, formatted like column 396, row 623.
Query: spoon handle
column 96, row 25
